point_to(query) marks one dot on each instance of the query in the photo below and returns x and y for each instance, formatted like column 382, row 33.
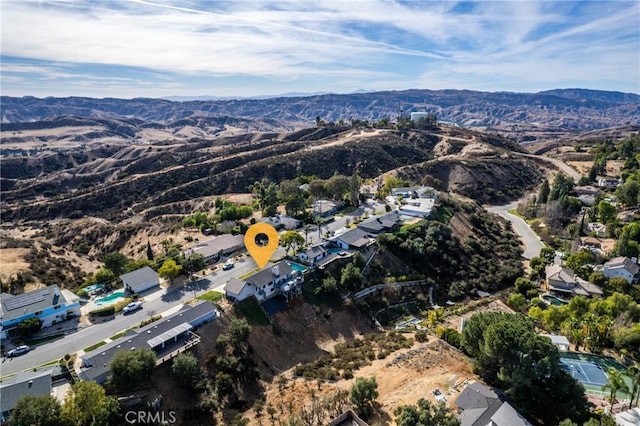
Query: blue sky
column 248, row 48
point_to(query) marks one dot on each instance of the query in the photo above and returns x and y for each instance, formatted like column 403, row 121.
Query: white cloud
column 366, row 43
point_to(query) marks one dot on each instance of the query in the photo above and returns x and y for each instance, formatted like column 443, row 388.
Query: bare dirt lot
column 583, row 167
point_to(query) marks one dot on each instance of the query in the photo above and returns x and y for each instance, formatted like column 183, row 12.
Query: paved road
column 155, row 303
column 563, row 167
column 532, row 243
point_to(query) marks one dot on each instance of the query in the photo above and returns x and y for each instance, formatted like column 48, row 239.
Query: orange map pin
column 261, row 254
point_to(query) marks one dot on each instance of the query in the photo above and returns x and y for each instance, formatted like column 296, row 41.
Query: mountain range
column 559, row 109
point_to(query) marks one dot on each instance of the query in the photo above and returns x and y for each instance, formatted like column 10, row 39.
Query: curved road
column 532, row 243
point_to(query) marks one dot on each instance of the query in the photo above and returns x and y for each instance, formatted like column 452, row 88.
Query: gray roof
column 560, row 274
column 314, row 251
column 29, row 303
column 100, row 358
column 23, row 384
column 235, row 286
column 557, row 340
column 267, row 275
column 379, row 224
column 348, row 418
column 483, row 405
column 623, row 263
column 139, row 277
column 353, row 235
column 219, row 244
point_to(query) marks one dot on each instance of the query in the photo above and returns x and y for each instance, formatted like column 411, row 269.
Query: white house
column 418, row 207
column 597, row 228
column 622, row 267
column 279, row 278
column 313, row 254
column 354, row 238
column 48, row 304
column 609, row 182
column 140, row 280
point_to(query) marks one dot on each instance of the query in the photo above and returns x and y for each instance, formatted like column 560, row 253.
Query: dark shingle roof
column 483, row 405
column 267, row 275
column 353, row 235
column 235, row 286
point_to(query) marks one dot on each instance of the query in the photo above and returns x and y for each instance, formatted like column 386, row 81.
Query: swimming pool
column 112, row 298
column 92, row 287
column 553, row 300
column 298, row 267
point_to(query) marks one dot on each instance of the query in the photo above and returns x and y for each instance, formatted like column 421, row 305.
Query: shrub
column 421, row 336
column 82, row 293
column 103, row 312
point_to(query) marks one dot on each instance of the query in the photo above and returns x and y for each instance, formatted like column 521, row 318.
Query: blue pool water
column 112, row 298
column 92, row 287
column 298, row 267
column 553, row 300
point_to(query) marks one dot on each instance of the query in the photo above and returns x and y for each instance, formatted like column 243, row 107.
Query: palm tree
column 616, row 383
column 633, row 372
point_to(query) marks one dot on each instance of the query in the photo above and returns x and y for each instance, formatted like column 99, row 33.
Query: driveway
column 532, row 243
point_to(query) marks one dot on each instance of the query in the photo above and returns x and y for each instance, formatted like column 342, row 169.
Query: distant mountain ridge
column 565, row 109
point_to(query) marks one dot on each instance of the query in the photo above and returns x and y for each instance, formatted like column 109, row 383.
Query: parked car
column 19, row 350
column 227, row 265
column 132, row 307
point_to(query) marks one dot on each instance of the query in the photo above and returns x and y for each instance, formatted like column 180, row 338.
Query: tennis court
column 588, row 373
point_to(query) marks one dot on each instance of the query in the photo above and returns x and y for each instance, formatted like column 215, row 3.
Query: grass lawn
column 119, row 335
column 248, row 274
column 212, row 296
column 252, row 311
column 94, row 346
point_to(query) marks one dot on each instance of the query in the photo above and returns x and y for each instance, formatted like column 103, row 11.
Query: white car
column 227, row 265
column 19, row 350
column 132, row 307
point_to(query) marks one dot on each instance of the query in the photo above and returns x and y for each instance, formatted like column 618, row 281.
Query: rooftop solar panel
column 22, row 301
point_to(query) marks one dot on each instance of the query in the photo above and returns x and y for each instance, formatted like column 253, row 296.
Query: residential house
column 355, row 238
column 213, row 248
column 325, row 208
column 417, row 207
column 609, row 182
column 166, row 337
column 405, row 192
column 49, row 305
column 586, row 194
column 596, row 228
column 348, row 418
column 135, row 282
column 381, row 224
column 22, row 384
column 563, row 282
column 601, row 246
column 313, row 254
column 622, row 267
column 281, row 221
column 481, row 405
column 279, row 278
column 561, row 342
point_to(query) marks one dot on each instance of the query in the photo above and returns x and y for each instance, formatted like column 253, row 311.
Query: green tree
column 104, row 276
column 562, row 187
column 517, row 301
column 362, row 394
column 425, row 414
column 543, row 194
column 29, row 326
column 137, row 264
column 606, row 211
column 354, row 188
column 149, row 251
column 86, row 404
column 291, row 240
column 615, row 384
column 351, row 278
column 116, row 262
column 185, row 367
column 580, row 263
column 169, row 270
column 266, row 195
column 338, row 185
column 42, row 410
column 523, row 285
column 194, row 263
column 633, row 372
column 131, row 369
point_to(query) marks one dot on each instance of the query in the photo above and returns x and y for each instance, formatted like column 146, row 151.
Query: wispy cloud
column 266, row 47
